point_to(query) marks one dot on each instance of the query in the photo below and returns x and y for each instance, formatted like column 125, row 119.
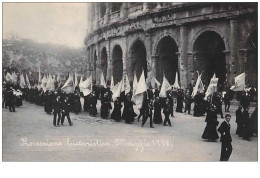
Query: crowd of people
column 60, row 104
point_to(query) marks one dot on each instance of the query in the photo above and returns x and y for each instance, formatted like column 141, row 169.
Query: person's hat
column 228, row 116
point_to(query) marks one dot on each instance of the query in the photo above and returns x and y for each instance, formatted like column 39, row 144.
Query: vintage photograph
column 129, row 81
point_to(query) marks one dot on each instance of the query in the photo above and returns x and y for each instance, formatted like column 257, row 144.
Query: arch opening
column 103, row 64
column 209, row 57
column 167, row 59
column 137, row 58
column 117, row 63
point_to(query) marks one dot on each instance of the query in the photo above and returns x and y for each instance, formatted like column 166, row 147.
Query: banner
column 68, row 86
column 103, row 82
column 86, row 86
column 239, row 83
column 176, row 82
column 165, row 87
column 117, row 90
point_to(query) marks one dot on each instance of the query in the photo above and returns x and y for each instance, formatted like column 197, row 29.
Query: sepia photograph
column 129, row 81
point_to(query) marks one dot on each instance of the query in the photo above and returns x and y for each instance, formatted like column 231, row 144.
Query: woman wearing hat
column 210, row 131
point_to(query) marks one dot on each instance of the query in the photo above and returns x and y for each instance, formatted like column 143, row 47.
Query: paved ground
column 28, row 135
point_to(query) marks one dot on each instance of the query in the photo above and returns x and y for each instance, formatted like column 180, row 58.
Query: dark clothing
column 148, row 113
column 93, row 105
column 245, row 127
column 167, row 112
column 210, row 131
column 129, row 112
column 179, row 102
column 188, row 101
column 76, row 103
column 56, row 111
column 65, row 107
column 226, row 147
column 157, row 117
column 105, row 106
column 239, row 120
column 226, row 99
column 217, row 101
column 254, row 122
column 116, row 114
column 199, row 107
column 11, row 101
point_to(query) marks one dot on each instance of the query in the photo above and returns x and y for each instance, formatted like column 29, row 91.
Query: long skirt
column 157, row 117
column 210, row 131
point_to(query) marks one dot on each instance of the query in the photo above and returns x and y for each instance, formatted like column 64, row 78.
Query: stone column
column 229, row 74
column 190, row 69
column 234, row 50
column 107, row 13
column 98, row 63
column 148, row 45
column 88, row 62
column 153, row 64
column 183, row 56
column 124, row 56
column 109, row 63
column 242, row 53
column 123, row 10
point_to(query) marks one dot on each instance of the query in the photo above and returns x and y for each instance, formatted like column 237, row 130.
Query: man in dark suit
column 56, row 110
column 226, row 147
column 65, row 107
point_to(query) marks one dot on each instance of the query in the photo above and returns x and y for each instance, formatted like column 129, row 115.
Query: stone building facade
column 165, row 38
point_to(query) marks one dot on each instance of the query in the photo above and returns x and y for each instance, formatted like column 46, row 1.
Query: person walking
column 226, row 146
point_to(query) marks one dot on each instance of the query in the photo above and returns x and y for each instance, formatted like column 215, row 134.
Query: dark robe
column 129, row 112
column 239, row 118
column 199, row 108
column 157, row 118
column 210, row 131
column 105, row 106
column 93, row 105
column 76, row 102
column 179, row 102
column 116, row 114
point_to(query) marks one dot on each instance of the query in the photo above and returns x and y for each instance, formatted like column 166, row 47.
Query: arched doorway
column 103, row 65
column 117, row 55
column 138, row 59
column 252, row 60
column 167, row 60
column 209, row 57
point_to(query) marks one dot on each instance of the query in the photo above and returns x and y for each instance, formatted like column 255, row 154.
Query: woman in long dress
column 210, row 133
column 157, row 118
column 129, row 111
column 116, row 114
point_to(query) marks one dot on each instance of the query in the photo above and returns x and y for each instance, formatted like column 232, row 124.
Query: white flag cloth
column 176, row 83
column 81, row 79
column 212, row 87
column 127, row 87
column 86, row 86
column 50, row 84
column 28, row 82
column 112, row 82
column 140, row 89
column 102, row 82
column 39, row 77
column 141, row 85
column 239, row 83
column 22, row 81
column 165, row 87
column 9, row 77
column 76, row 79
column 68, row 86
column 154, row 83
column 44, row 83
column 14, row 77
column 58, row 78
column 198, row 86
column 134, row 87
column 117, row 90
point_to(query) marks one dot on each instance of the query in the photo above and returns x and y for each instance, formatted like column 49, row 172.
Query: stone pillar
column 109, row 63
column 124, row 56
column 108, row 11
column 88, row 62
column 123, row 10
column 98, row 63
column 234, row 50
column 190, row 69
column 242, row 53
column 148, row 45
column 229, row 75
column 183, row 56
column 153, row 64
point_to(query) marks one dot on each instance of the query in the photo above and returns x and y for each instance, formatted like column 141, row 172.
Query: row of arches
column 208, row 56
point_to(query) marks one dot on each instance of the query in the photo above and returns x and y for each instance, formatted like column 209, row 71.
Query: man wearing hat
column 226, row 147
